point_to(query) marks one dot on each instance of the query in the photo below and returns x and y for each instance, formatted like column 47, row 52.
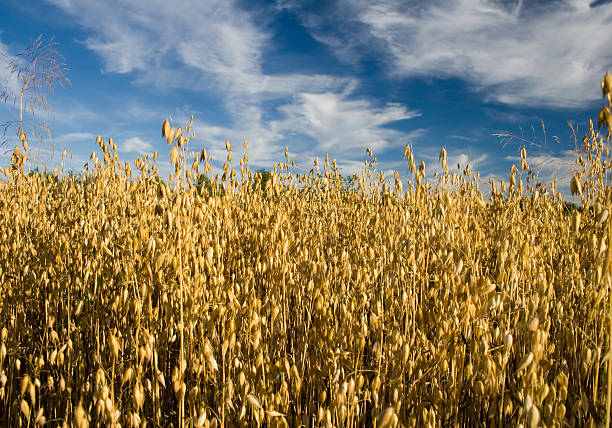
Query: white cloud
column 312, row 125
column 49, row 151
column 464, row 159
column 216, row 47
column 517, row 53
column 264, row 146
column 478, row 161
column 551, row 166
column 9, row 88
column 464, row 138
column 74, row 137
column 337, row 122
column 137, row 145
column 160, row 41
column 8, row 80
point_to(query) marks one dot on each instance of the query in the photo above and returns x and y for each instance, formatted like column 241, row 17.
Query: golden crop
column 127, row 301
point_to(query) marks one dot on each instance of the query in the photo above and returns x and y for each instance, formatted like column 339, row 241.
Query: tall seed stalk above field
column 605, row 118
column 37, row 69
column 178, row 140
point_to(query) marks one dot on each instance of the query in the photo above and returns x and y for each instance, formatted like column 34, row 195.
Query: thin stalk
column 23, row 89
column 609, row 271
column 182, row 401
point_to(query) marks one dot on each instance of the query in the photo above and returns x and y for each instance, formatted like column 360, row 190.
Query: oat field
column 216, row 301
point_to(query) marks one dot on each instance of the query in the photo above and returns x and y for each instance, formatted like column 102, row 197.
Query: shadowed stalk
column 182, row 356
column 609, row 277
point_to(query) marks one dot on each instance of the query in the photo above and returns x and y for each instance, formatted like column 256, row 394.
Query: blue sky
column 322, row 77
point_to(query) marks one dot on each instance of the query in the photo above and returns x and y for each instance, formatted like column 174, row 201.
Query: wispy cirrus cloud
column 9, row 83
column 463, row 138
column 551, row 166
column 516, row 52
column 137, row 145
column 314, row 124
column 339, row 123
column 218, row 48
column 75, row 137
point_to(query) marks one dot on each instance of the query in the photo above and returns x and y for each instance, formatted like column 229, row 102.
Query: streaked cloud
column 314, row 124
column 337, row 122
column 373, row 73
column 550, row 166
column 137, row 145
column 518, row 53
column 218, row 48
column 8, row 79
